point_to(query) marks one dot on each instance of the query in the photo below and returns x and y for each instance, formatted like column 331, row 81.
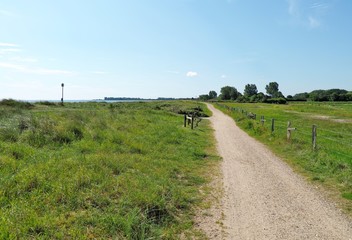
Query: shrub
column 16, row 104
column 276, row 100
column 46, row 103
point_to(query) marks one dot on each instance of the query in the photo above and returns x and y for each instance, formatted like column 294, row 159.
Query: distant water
column 83, row 101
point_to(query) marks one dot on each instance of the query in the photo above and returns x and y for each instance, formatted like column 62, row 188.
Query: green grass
column 331, row 163
column 99, row 170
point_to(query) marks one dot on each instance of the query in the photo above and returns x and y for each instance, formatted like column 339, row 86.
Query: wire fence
column 301, row 133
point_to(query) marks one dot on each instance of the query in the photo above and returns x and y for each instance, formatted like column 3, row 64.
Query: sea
column 93, row 100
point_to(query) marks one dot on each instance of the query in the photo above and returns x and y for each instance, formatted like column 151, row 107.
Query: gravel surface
column 263, row 198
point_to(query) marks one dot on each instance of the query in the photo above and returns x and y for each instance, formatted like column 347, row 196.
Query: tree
column 279, row 95
column 212, row 95
column 348, row 96
column 228, row 93
column 261, row 97
column 250, row 90
column 319, row 96
column 273, row 89
column 328, row 95
column 204, row 97
column 301, row 96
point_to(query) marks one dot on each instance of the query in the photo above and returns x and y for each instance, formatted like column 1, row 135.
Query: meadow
column 330, row 164
column 101, row 171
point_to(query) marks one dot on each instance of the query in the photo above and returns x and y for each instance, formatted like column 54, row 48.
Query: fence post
column 272, row 125
column 314, row 137
column 289, row 129
column 192, row 120
column 262, row 120
column 185, row 120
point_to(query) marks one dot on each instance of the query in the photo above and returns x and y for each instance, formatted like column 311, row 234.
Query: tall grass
column 98, row 170
column 330, row 163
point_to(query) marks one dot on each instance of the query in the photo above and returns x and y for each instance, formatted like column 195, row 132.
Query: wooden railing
column 191, row 119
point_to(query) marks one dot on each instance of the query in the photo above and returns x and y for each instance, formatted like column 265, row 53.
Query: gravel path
column 264, row 198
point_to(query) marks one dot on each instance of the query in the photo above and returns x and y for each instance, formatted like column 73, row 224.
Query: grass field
column 330, row 164
column 100, row 171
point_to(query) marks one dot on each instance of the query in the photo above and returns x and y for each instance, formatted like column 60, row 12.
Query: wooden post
column 192, row 121
column 289, row 129
column 262, row 120
column 314, row 137
column 255, row 116
column 185, row 120
column 272, row 125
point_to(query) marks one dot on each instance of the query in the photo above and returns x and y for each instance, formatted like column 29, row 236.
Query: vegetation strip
column 98, row 170
column 329, row 163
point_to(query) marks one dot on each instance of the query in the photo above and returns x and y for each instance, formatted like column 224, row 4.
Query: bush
column 276, row 100
column 16, row 104
column 47, row 103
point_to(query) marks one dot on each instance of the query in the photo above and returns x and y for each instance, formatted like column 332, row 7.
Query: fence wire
column 337, row 133
column 302, row 133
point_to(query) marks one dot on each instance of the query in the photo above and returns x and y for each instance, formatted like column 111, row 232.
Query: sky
column 171, row 48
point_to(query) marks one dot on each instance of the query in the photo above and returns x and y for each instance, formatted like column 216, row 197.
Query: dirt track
column 264, row 198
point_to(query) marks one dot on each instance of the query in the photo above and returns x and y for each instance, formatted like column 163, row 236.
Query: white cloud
column 309, row 14
column 191, row 74
column 319, row 5
column 23, row 59
column 23, row 84
column 2, row 44
column 223, row 76
column 40, row 71
column 9, row 50
column 15, row 62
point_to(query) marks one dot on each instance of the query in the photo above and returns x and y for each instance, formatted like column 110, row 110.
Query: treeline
column 250, row 94
column 338, row 95
column 274, row 95
column 121, row 98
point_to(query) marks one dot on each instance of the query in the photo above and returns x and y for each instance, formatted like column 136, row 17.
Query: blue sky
column 171, row 48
